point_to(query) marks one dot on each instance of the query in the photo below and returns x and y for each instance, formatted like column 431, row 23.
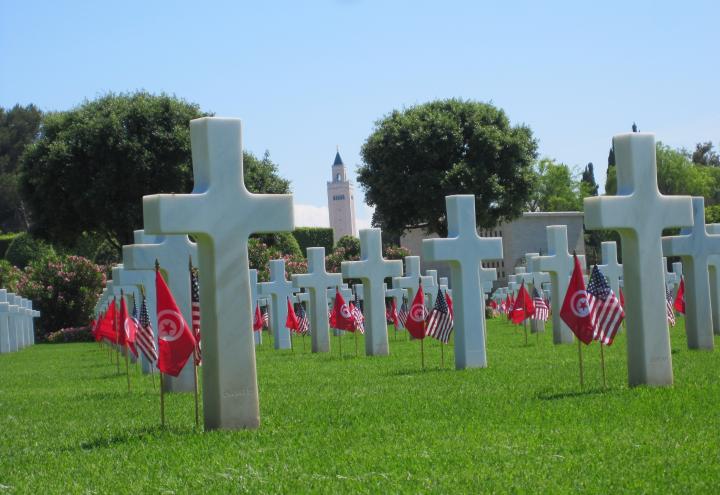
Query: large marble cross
column 464, row 250
column 714, row 271
column 694, row 250
column 639, row 213
column 412, row 278
column 559, row 264
column 278, row 289
column 373, row 269
column 317, row 281
column 671, row 278
column 610, row 267
column 173, row 253
column 221, row 214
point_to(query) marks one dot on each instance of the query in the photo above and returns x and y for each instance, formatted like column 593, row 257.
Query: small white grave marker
column 278, row 289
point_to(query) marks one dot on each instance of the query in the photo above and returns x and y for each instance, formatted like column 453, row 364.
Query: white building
column 525, row 234
column 341, row 201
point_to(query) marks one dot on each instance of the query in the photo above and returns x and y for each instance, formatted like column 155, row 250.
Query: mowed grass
column 369, row 425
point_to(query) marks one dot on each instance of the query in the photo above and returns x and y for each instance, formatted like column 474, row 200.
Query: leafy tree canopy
column 417, row 156
column 90, row 166
column 556, row 189
column 19, row 127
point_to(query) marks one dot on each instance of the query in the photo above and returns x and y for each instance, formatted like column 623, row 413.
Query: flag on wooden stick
column 176, row 340
column 605, row 309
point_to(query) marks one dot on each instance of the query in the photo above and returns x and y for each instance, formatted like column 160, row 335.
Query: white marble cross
column 465, row 250
column 431, row 288
column 221, row 214
column 278, row 289
column 714, row 270
column 610, row 267
column 396, row 294
column 4, row 322
column 559, row 264
column 173, row 253
column 373, row 269
column 317, row 281
column 671, row 278
column 694, row 248
column 445, row 285
column 639, row 213
column 13, row 324
column 130, row 281
column 412, row 278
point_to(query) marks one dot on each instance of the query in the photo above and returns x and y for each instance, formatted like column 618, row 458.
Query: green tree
column 555, row 188
column 91, row 166
column 350, row 244
column 19, row 127
column 588, row 186
column 417, row 156
column 705, row 155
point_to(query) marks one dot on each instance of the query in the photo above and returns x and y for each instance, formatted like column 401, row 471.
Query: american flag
column 303, row 322
column 606, row 312
column 195, row 307
column 145, row 336
column 669, row 307
column 402, row 316
column 440, row 320
column 358, row 316
column 265, row 318
column 541, row 308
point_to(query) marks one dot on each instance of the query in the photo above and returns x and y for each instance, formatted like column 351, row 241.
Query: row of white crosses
column 16, row 322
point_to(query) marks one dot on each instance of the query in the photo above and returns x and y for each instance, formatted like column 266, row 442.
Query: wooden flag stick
column 339, row 340
column 127, row 367
column 525, row 328
column 580, row 361
column 162, row 402
column 602, row 364
column 303, row 339
column 422, row 353
column 356, row 343
column 442, row 354
column 152, row 374
column 197, row 402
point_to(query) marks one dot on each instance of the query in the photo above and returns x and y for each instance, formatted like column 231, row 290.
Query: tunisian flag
column 679, row 304
column 291, row 322
column 258, row 321
column 575, row 310
column 128, row 327
column 523, row 307
column 415, row 323
column 341, row 317
column 176, row 340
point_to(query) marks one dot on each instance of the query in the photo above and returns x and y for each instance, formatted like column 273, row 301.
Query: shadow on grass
column 569, row 395
column 419, row 371
column 130, row 435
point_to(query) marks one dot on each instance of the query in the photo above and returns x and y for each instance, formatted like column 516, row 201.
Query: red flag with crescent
column 342, row 318
column 415, row 323
column 575, row 310
column 176, row 341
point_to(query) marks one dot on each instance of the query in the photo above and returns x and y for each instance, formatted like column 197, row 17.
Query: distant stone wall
column 525, row 234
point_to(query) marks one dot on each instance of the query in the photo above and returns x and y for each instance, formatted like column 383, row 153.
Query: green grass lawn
column 369, row 425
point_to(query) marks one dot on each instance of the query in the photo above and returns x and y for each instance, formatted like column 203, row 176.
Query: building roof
column 338, row 160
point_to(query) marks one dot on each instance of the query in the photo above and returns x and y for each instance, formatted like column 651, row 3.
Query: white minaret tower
column 341, row 201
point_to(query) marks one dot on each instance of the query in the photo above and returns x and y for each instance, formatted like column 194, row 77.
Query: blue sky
column 307, row 76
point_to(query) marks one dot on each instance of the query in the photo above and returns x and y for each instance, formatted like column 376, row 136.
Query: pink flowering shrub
column 64, row 289
column 73, row 334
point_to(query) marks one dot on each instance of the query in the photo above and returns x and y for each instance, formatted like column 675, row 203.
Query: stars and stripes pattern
column 145, row 335
column 542, row 312
column 303, row 322
column 403, row 315
column 606, row 312
column 357, row 315
column 669, row 307
column 440, row 320
column 195, row 312
column 265, row 318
